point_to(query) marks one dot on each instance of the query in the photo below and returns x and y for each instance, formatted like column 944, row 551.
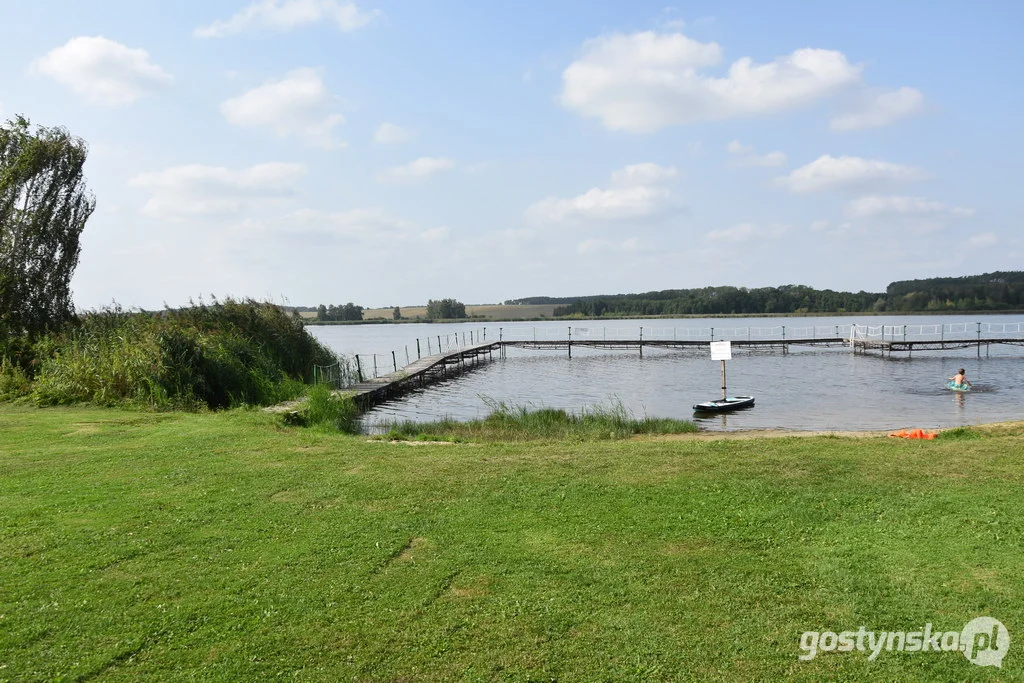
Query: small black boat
column 724, row 404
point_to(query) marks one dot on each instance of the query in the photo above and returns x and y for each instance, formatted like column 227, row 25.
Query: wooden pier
column 419, row 373
column 887, row 347
column 640, row 344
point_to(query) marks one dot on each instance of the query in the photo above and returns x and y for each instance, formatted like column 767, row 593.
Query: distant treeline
column 988, row 292
column 541, row 300
column 333, row 313
column 726, row 300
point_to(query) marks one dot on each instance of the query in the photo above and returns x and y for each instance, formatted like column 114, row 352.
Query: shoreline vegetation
column 222, row 545
column 326, row 410
column 204, row 357
column 523, row 423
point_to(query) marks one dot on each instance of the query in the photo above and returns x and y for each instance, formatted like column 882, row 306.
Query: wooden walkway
column 419, row 373
column 640, row 344
column 887, row 347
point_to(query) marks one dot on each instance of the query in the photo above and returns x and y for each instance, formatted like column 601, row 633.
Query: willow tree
column 44, row 205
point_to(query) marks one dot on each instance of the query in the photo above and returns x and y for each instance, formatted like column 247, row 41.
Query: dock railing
column 374, row 365
column 938, row 332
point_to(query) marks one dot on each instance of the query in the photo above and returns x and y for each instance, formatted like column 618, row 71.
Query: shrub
column 14, row 383
column 214, row 356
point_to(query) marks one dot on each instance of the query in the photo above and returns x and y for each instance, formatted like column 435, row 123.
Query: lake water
column 807, row 388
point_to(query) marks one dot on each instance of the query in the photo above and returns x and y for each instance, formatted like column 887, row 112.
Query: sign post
column 722, row 350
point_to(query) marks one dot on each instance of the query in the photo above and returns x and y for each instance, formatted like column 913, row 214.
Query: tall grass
column 324, row 409
column 522, row 423
column 207, row 355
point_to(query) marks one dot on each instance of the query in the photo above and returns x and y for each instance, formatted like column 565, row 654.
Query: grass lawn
column 223, row 546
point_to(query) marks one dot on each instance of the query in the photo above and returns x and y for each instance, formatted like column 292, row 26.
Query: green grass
column 521, row 423
column 223, row 546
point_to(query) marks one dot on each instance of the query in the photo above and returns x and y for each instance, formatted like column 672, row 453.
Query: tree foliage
column 334, row 313
column 986, row 292
column 44, row 205
column 445, row 309
column 726, row 300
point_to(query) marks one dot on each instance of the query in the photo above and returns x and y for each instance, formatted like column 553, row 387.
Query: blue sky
column 322, row 151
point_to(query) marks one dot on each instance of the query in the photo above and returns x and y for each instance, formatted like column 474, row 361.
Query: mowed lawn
column 138, row 546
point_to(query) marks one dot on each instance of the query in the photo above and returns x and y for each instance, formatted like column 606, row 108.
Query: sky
column 387, row 153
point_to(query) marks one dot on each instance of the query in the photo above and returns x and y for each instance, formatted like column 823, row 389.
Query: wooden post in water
column 570, row 341
column 359, row 369
column 394, row 361
column 723, row 380
column 641, row 341
column 418, row 349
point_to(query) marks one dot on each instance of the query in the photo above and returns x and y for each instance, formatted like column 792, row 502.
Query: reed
column 523, row 423
column 212, row 356
column 326, row 410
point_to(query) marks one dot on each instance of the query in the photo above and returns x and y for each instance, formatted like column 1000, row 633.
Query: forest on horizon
column 996, row 291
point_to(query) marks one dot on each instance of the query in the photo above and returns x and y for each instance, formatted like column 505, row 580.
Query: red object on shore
column 914, row 434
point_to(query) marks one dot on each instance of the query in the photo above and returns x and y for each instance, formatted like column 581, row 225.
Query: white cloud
column 880, row 109
column 359, row 224
column 846, row 172
column 599, row 245
column 389, row 134
column 745, row 156
column 735, row 147
column 643, row 174
column 436, row 234
column 371, row 227
column 982, row 240
column 297, row 105
column 646, row 81
column 103, row 71
column 876, row 205
column 635, row 194
column 287, row 14
column 197, row 190
column 744, row 232
column 416, row 170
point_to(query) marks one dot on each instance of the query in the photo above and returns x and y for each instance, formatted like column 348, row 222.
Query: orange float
column 914, row 434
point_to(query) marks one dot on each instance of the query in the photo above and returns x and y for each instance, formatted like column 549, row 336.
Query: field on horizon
column 526, row 311
column 227, row 546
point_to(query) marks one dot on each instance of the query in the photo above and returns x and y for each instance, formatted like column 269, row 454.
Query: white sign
column 721, row 350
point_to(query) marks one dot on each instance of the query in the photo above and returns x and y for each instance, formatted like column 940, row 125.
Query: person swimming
column 959, row 381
